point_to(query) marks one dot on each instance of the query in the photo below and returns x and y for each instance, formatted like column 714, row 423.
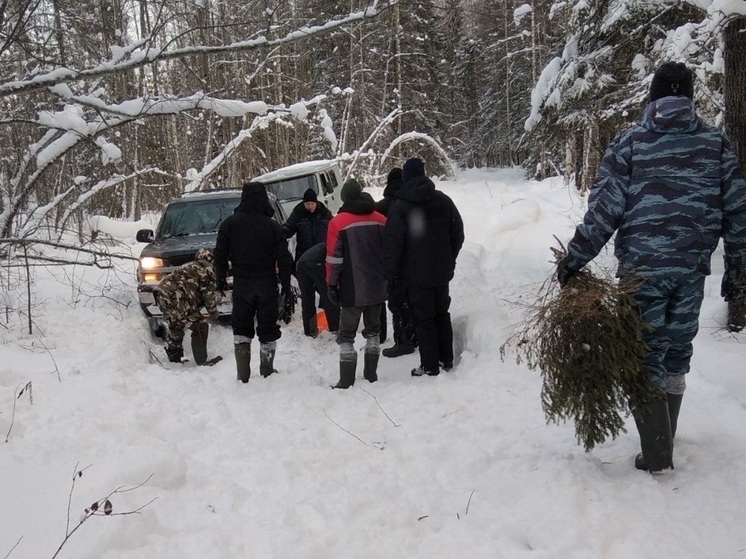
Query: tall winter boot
column 654, row 425
column 310, row 327
column 267, row 358
column 347, row 366
column 174, row 351
column 242, row 352
column 674, row 406
column 370, row 363
column 200, row 331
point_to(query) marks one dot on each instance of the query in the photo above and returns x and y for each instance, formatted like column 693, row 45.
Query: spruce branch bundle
column 587, row 342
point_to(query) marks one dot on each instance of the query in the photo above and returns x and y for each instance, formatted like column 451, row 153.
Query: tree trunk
column 734, row 52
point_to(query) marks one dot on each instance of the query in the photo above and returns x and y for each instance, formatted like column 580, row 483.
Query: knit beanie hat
column 351, row 190
column 413, row 167
column 672, row 79
column 310, row 196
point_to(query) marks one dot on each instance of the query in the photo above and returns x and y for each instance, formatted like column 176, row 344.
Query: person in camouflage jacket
column 670, row 187
column 181, row 296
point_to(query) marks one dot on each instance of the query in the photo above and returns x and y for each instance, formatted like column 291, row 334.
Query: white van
column 289, row 183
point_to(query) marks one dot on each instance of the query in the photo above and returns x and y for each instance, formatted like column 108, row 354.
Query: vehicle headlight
column 150, row 263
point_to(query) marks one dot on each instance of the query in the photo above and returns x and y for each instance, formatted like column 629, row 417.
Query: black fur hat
column 672, row 79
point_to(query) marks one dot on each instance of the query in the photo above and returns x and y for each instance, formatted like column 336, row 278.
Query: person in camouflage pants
column 181, row 296
column 670, row 187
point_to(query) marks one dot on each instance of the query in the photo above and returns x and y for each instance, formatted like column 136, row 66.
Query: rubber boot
column 174, row 352
column 674, row 406
column 243, row 361
column 267, row 358
column 347, row 367
column 370, row 366
column 313, row 329
column 200, row 332
column 370, row 359
column 654, row 425
column 397, row 350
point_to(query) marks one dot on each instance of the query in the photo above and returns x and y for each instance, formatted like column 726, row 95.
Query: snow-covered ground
column 460, row 465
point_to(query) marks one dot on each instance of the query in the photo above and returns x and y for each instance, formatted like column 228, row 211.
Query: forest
column 112, row 107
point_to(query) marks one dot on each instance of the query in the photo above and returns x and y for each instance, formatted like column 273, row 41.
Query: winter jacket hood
column 364, row 204
column 254, row 199
column 671, row 115
column 418, row 190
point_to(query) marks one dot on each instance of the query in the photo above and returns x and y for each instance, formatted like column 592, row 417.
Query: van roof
column 297, row 170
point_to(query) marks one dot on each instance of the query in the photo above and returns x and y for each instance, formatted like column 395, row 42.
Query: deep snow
column 461, row 465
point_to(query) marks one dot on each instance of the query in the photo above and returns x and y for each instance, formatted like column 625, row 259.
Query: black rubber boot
column 174, row 352
column 267, row 358
column 654, row 426
column 243, row 361
column 200, row 331
column 370, row 366
column 347, row 369
column 674, row 406
column 398, row 350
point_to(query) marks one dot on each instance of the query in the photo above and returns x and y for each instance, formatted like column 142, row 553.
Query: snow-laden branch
column 419, row 136
column 371, row 138
column 125, row 59
column 197, row 178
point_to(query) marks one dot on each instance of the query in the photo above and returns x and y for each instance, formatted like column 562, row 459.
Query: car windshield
column 292, row 189
column 195, row 217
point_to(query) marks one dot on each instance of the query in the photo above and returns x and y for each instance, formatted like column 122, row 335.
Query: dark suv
column 189, row 222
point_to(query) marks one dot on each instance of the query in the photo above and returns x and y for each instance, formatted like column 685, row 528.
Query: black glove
column 332, row 291
column 288, row 304
column 733, row 290
column 564, row 273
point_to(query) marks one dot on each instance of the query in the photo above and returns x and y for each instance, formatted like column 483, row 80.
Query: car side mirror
column 145, row 236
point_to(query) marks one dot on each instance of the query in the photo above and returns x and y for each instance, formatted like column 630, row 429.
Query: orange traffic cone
column 321, row 322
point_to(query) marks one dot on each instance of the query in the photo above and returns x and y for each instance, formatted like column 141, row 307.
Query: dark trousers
column 255, row 299
column 432, row 323
column 401, row 314
column 311, row 281
column 349, row 319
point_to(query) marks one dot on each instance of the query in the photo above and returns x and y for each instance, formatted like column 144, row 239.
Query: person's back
column 669, row 187
column 354, row 275
column 424, row 234
column 253, row 242
column 354, row 252
column 670, row 172
column 257, row 248
column 181, row 296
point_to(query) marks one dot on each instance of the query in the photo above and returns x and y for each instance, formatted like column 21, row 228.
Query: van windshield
column 293, row 188
column 195, row 218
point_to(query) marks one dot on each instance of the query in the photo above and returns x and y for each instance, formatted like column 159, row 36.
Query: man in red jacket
column 355, row 280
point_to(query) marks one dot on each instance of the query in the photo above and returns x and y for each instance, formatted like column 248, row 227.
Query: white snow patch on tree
column 543, row 93
column 520, row 12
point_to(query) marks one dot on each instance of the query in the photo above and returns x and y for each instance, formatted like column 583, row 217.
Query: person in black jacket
column 311, row 274
column 257, row 248
column 405, row 340
column 423, row 235
column 308, row 221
